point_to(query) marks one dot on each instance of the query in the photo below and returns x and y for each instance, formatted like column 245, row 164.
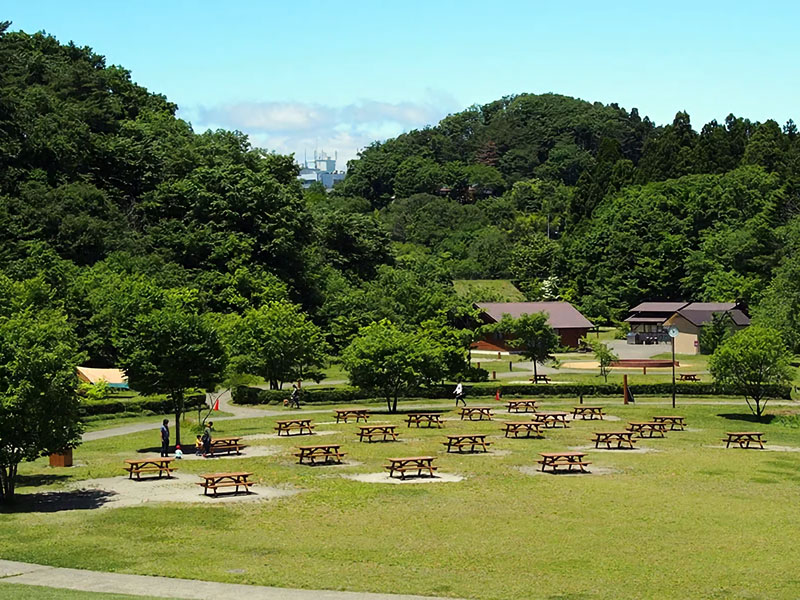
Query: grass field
column 690, row 519
column 11, row 591
column 488, row 290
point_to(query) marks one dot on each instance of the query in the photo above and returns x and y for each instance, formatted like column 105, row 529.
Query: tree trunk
column 8, row 476
column 534, row 371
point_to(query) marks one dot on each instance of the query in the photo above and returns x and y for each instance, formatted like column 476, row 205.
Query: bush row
column 138, row 404
column 251, row 395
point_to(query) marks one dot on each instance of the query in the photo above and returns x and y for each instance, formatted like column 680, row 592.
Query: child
column 178, row 452
column 198, row 445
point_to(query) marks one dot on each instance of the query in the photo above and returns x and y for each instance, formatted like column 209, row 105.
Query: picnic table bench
column 688, row 377
column 343, row 414
column 303, row 426
column 744, row 439
column 321, row 454
column 529, row 428
column 622, row 439
column 540, row 378
column 470, row 412
column 411, row 463
column 138, row 466
column 431, row 418
column 651, row 428
column 551, row 419
column 214, row 481
column 554, row 460
column 370, row 431
column 226, row 445
column 676, row 423
column 584, row 411
column 519, row 406
column 464, row 440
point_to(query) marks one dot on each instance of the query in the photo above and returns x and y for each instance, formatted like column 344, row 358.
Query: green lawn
column 12, row 591
column 488, row 290
column 689, row 519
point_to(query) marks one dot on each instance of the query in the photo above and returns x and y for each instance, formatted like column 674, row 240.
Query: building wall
column 687, row 341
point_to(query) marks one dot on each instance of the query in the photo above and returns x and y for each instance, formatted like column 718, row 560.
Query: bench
column 214, row 481
column 226, row 445
column 411, row 463
column 430, row 418
column 551, row 419
column 343, row 414
column 744, row 438
column 529, row 428
column 370, row 431
column 519, row 406
column 469, row 412
column 688, row 377
column 138, row 466
column 675, row 423
column 303, row 426
column 651, row 428
column 623, row 439
column 540, row 378
column 554, row 460
column 324, row 454
column 584, row 411
column 471, row 441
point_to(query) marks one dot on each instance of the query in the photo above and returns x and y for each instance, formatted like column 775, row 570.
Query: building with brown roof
column 647, row 321
column 690, row 320
column 569, row 323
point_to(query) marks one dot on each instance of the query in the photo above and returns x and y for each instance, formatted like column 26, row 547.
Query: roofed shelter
column 115, row 378
column 647, row 321
column 568, row 322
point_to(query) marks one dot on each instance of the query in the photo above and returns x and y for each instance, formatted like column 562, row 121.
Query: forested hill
column 111, row 206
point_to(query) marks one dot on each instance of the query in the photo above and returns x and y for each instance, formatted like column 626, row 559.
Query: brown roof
column 705, row 311
column 560, row 315
column 669, row 307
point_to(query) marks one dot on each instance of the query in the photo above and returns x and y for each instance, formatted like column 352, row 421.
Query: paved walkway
column 166, row 587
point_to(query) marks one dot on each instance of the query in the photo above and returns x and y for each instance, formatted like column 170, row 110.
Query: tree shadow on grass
column 749, row 418
column 39, row 479
column 48, row 502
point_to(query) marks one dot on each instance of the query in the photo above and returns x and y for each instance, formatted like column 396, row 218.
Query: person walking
column 164, row 438
column 294, row 399
column 207, row 439
column 459, row 393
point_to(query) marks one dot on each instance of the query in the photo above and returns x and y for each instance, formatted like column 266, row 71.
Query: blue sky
column 336, row 76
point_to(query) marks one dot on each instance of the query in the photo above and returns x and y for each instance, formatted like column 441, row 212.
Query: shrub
column 139, row 404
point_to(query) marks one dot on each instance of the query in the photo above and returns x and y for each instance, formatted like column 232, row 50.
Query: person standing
column 207, row 439
column 459, row 393
column 164, row 438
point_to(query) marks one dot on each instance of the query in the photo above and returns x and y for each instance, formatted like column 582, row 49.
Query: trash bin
column 61, row 459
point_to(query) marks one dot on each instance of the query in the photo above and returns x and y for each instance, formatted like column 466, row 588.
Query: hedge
column 251, row 395
column 138, row 404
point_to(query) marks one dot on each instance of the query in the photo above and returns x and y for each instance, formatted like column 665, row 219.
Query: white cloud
column 298, row 127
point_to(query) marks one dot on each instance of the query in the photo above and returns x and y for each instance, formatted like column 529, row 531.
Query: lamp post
column 673, row 333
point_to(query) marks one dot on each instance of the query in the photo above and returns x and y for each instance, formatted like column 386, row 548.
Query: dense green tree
column 530, row 334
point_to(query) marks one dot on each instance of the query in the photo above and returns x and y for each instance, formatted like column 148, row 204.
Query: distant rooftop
column 560, row 315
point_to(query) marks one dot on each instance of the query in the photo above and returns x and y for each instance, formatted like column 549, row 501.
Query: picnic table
column 303, row 426
column 226, row 445
column 431, row 418
column 343, row 414
column 321, row 454
column 584, row 411
column 551, row 419
column 688, row 377
column 538, row 378
column 554, row 460
column 370, row 431
column 529, row 428
column 411, row 463
column 214, row 481
column 676, row 423
column 744, row 439
column 138, row 466
column 622, row 439
column 464, row 440
column 651, row 428
column 469, row 412
column 519, row 406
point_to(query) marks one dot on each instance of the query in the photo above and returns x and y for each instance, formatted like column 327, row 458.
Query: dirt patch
column 592, row 470
column 638, row 450
column 249, row 452
column 275, row 436
column 384, row 478
column 767, row 448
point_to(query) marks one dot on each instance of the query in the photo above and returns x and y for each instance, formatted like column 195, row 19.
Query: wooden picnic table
column 744, row 439
column 584, row 411
column 303, row 426
column 369, row 431
column 651, row 428
column 554, row 460
column 519, row 406
column 529, row 428
column 226, row 445
column 676, row 423
column 540, row 378
column 464, row 440
column 688, row 377
column 622, row 439
column 411, row 463
column 158, row 465
column 343, row 414
column 320, row 454
column 214, row 481
column 431, row 418
column 551, row 419
column 470, row 412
